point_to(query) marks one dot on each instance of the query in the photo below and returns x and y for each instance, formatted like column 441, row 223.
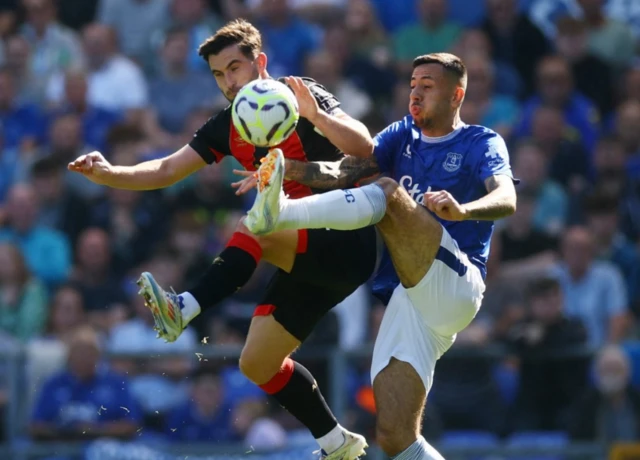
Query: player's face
column 232, row 69
column 433, row 95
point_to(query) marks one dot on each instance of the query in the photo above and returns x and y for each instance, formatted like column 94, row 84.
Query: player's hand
column 93, row 166
column 443, row 205
column 307, row 104
column 244, row 185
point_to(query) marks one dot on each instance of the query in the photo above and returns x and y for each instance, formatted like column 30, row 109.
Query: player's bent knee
column 257, row 367
column 388, row 185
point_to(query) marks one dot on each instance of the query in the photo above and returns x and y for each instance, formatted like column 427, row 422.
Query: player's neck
column 444, row 129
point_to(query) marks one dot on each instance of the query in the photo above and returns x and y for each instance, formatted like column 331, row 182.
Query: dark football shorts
column 330, row 266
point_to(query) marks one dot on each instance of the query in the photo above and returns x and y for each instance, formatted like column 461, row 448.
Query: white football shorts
column 421, row 323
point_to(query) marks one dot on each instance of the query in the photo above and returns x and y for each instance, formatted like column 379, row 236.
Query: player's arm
column 149, row 175
column 332, row 174
column 499, row 202
column 347, row 134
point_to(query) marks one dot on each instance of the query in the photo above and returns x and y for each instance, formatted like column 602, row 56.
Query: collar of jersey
column 436, row 140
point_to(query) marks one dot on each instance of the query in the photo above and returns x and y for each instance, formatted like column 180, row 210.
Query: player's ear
column 261, row 64
column 458, row 96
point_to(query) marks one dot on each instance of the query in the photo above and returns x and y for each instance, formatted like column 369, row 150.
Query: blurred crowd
column 559, row 79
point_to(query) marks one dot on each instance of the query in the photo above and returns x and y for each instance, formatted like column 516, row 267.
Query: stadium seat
column 538, row 439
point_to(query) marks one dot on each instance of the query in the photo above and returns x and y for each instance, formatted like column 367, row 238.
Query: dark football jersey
column 218, row 138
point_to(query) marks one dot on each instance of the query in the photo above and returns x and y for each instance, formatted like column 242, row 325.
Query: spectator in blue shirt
column 21, row 123
column 47, row 251
column 84, row 401
column 205, row 417
column 96, row 121
column 556, row 89
column 594, row 291
column 289, row 39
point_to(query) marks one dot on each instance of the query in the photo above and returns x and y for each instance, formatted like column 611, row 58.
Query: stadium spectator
column 54, row 47
column 593, row 76
column 532, row 166
column 594, row 291
column 94, row 274
column 178, row 90
column 611, row 245
column 547, row 386
column 135, row 23
column 368, row 73
column 61, row 208
column 23, row 298
column 85, row 401
column 23, row 125
column 47, row 354
column 250, row 421
column 96, row 121
column 47, row 252
column 524, row 248
column 322, row 67
column 18, row 62
column 475, row 43
column 569, row 163
column 200, row 22
column 109, row 71
column 555, row 89
column 611, row 40
column 203, row 417
column 496, row 111
column 515, row 39
column 367, row 37
column 288, row 39
column 431, row 33
column 627, row 122
column 609, row 411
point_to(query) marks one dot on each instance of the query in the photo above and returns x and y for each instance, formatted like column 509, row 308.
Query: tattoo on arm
column 499, row 202
column 332, row 174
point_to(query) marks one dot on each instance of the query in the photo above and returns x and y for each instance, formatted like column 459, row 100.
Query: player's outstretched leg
column 265, row 361
column 231, row 270
column 339, row 209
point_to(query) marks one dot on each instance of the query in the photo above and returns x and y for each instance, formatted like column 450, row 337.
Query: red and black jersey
column 218, row 138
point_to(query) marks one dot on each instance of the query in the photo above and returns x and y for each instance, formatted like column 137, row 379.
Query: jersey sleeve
column 386, row 144
column 327, row 101
column 207, row 140
column 494, row 157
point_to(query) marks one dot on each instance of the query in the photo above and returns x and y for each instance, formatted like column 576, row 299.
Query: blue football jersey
column 458, row 163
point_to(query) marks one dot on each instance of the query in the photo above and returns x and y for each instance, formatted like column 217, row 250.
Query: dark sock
column 297, row 391
column 231, row 270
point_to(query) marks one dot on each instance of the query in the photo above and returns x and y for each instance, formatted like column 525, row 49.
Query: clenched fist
column 93, row 166
column 445, row 206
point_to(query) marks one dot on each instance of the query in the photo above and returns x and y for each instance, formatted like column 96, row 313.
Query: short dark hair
column 46, row 166
column 451, row 63
column 600, row 203
column 237, row 32
column 570, row 26
column 542, row 285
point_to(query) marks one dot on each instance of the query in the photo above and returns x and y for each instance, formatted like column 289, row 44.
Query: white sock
column 338, row 209
column 191, row 307
column 419, row 450
column 332, row 440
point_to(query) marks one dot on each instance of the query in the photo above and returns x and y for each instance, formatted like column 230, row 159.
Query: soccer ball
column 265, row 112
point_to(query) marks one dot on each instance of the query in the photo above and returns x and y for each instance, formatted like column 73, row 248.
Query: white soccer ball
column 265, row 112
